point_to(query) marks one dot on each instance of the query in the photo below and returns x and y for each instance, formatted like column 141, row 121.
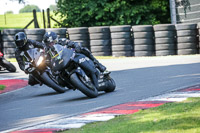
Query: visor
column 20, row 43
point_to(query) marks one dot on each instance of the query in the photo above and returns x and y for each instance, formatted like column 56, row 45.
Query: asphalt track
column 136, row 78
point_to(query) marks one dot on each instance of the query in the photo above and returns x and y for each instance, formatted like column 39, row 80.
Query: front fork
column 36, row 74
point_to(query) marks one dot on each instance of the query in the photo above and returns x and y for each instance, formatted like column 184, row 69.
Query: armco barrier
column 123, row 40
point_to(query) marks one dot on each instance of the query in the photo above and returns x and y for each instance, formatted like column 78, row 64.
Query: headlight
column 39, row 61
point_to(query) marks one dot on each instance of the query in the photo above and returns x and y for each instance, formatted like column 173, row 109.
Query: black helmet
column 50, row 37
column 20, row 39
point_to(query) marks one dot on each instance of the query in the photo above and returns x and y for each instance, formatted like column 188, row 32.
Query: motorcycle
column 70, row 71
column 6, row 65
column 35, row 64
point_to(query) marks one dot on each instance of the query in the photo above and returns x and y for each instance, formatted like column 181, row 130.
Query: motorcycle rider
column 23, row 44
column 50, row 38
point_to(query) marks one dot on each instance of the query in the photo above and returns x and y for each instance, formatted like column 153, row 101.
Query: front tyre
column 49, row 81
column 111, row 85
column 88, row 91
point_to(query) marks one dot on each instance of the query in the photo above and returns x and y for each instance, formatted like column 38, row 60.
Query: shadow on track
column 49, row 94
column 83, row 98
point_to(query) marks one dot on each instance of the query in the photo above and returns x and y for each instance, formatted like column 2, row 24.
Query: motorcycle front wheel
column 85, row 89
column 111, row 85
column 49, row 81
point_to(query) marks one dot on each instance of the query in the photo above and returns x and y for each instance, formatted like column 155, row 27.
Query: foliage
column 78, row 13
column 9, row 12
column 29, row 8
column 53, row 7
column 20, row 1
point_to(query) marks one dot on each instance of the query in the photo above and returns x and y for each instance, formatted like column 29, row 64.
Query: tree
column 29, row 8
column 20, row 1
column 53, row 7
column 9, row 12
column 79, row 13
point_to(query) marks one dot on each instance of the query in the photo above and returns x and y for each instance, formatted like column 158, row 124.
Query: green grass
column 2, row 87
column 19, row 21
column 183, row 117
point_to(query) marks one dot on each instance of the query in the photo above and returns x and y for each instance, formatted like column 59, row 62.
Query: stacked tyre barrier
column 143, row 39
column 35, row 34
column 1, row 43
column 186, row 39
column 100, row 42
column 121, row 40
column 9, row 42
column 61, row 32
column 165, row 39
column 80, row 35
column 124, row 40
column 198, row 32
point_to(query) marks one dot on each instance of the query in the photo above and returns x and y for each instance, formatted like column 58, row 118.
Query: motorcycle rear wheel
column 9, row 66
column 78, row 83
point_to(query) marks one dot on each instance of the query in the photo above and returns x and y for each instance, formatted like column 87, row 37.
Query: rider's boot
column 101, row 67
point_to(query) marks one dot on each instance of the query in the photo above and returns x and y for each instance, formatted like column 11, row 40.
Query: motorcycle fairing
column 61, row 57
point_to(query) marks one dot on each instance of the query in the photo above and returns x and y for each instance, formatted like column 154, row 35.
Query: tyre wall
column 35, row 34
column 8, row 42
column 80, row 35
column 186, row 39
column 165, row 41
column 121, row 40
column 61, row 32
column 100, row 42
column 198, row 38
column 124, row 40
column 143, row 40
column 1, row 43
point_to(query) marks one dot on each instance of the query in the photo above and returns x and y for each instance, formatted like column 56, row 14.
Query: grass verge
column 182, row 117
column 22, row 19
column 2, row 87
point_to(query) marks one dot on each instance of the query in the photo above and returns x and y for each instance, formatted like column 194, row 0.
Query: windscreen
column 29, row 54
column 56, row 50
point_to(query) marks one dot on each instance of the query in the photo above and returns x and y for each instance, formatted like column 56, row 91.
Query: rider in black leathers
column 52, row 37
column 23, row 44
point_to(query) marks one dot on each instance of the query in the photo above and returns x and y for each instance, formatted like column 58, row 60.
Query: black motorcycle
column 76, row 71
column 35, row 64
column 6, row 65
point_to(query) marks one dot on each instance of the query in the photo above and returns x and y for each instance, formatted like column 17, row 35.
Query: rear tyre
column 49, row 81
column 85, row 89
column 111, row 85
column 9, row 66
